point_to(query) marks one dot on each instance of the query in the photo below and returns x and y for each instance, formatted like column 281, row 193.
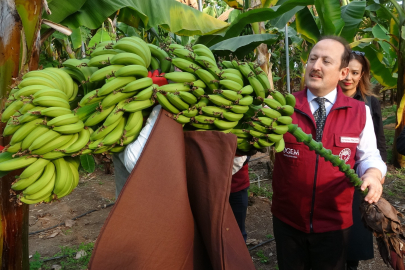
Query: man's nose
column 316, row 65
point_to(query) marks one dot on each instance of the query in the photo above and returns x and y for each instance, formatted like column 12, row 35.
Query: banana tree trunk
column 19, row 50
column 399, row 160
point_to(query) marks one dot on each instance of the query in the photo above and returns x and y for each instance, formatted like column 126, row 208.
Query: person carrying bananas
column 125, row 161
column 312, row 200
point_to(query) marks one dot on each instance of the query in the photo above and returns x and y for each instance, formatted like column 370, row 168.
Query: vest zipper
column 311, row 213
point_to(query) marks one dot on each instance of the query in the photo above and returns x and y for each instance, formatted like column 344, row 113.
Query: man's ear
column 343, row 73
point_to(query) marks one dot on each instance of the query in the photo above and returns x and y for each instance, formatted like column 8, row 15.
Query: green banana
column 45, row 191
column 164, row 102
column 270, row 113
column 230, row 116
column 71, row 128
column 67, row 80
column 138, row 85
column 285, row 120
column 114, row 84
column 63, row 120
column 131, row 47
column 134, row 106
column 39, row 164
column 176, row 101
column 16, row 163
column 232, row 77
column 188, row 97
column 51, row 102
column 74, row 138
column 24, row 130
column 52, row 145
column 115, row 134
column 102, row 131
column 197, row 92
column 272, row 103
column 203, row 126
column 154, row 64
column 133, row 119
column 45, row 138
column 13, row 148
column 174, row 87
column 279, row 97
column 33, row 135
column 184, row 53
column 286, row 110
column 247, row 90
column 146, row 93
column 100, row 60
column 229, row 94
column 280, row 129
column 55, row 111
column 62, row 173
column 104, row 72
column 290, row 100
column 213, row 111
column 246, row 101
column 207, row 78
column 115, row 114
column 202, row 102
column 40, row 183
column 100, row 51
column 115, row 98
column 181, row 119
column 162, row 56
column 134, row 132
column 29, row 90
column 128, row 59
column 220, row 101
column 222, row 124
column 86, row 111
column 239, row 108
column 90, row 98
column 185, row 65
column 11, row 110
column 258, row 88
column 191, row 112
column 204, row 119
column 132, row 70
column 180, row 77
column 279, row 146
column 203, row 51
column 23, row 183
column 84, row 136
column 37, row 81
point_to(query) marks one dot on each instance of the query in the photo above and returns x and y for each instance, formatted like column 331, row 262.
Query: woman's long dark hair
column 364, row 84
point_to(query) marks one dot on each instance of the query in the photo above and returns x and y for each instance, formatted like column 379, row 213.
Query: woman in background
column 357, row 85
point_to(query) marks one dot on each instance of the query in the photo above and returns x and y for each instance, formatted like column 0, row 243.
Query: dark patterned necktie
column 320, row 117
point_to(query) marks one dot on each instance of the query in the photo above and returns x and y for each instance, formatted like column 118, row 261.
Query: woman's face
column 349, row 84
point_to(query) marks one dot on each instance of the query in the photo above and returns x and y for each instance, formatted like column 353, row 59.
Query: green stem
column 313, row 145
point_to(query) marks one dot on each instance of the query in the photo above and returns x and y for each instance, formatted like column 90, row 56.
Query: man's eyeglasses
column 358, row 53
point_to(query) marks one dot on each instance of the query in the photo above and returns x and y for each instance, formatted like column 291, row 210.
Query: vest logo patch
column 290, row 152
column 345, row 154
column 349, row 139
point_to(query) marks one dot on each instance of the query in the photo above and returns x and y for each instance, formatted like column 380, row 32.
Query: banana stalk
column 301, row 136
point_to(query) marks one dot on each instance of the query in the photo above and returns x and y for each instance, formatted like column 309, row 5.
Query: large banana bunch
column 207, row 97
column 98, row 104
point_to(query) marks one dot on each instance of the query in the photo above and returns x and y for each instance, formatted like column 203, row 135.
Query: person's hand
column 371, row 180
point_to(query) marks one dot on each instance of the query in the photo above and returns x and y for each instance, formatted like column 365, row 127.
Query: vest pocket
column 345, row 146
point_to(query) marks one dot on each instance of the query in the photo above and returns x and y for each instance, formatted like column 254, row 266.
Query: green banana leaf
column 381, row 33
column 269, row 3
column 88, row 163
column 251, row 16
column 306, row 26
column 100, row 36
column 236, row 4
column 61, row 9
column 281, row 21
column 170, row 14
column 352, row 15
column 240, row 46
column 233, row 15
column 330, row 16
column 127, row 30
column 78, row 36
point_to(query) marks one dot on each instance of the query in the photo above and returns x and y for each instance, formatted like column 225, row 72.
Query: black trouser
column 239, row 203
column 297, row 250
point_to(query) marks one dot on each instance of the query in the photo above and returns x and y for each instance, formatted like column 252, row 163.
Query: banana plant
column 384, row 46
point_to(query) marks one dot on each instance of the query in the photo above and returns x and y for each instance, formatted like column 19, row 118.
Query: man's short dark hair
column 347, row 50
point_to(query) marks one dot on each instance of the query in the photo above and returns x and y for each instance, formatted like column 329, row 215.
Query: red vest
column 310, row 194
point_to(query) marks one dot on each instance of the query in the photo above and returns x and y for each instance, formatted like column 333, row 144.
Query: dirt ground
column 97, row 190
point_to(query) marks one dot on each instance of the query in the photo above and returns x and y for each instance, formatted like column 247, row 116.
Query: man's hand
column 371, row 180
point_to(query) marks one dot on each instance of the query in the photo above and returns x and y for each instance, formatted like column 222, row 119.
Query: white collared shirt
column 367, row 154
